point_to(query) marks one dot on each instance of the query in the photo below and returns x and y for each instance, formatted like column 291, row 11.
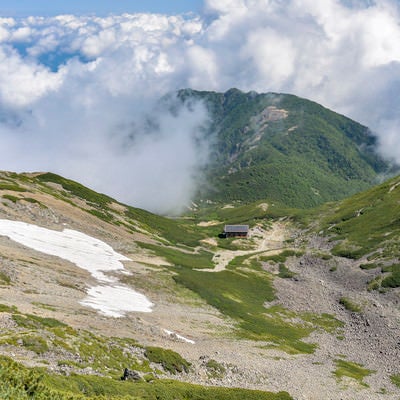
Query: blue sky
column 15, row 8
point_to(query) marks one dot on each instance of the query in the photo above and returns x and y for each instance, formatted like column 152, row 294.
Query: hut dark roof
column 236, row 228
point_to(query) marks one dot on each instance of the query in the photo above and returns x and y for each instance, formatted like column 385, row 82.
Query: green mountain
column 284, row 148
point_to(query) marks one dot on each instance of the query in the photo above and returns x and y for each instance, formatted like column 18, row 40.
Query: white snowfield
column 109, row 297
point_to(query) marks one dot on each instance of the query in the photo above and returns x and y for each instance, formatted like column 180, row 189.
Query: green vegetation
column 395, row 380
column 366, row 221
column 351, row 370
column 44, row 306
column 35, row 343
column 368, row 266
column 244, row 213
column 174, row 230
column 215, row 369
column 107, row 356
column 35, row 322
column 4, row 278
column 104, row 215
column 367, row 225
column 327, row 322
column 178, row 258
column 282, row 256
column 284, row 272
column 170, row 361
column 77, row 189
column 20, row 383
column 31, row 200
column 374, row 284
column 156, row 390
column 296, row 152
column 349, row 305
column 10, row 197
column 393, row 280
column 12, row 187
column 240, row 294
column 9, row 309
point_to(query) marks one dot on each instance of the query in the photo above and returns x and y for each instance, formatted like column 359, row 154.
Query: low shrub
column 14, row 199
column 170, row 361
column 12, row 187
column 215, row 369
column 351, row 370
column 5, row 308
column 4, row 278
column 395, row 380
column 393, row 280
column 349, row 305
column 285, row 272
column 36, row 344
column 369, row 266
column 34, row 322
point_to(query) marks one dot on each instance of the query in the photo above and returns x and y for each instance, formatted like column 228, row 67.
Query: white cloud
column 23, row 82
column 271, row 54
column 22, row 34
column 72, row 88
column 203, row 68
column 96, row 45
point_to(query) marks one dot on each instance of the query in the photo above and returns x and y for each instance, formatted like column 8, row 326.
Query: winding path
column 271, row 242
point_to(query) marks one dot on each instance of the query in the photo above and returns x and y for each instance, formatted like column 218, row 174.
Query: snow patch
column 87, row 253
column 115, row 301
column 175, row 335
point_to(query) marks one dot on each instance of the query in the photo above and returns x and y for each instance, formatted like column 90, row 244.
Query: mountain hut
column 236, row 230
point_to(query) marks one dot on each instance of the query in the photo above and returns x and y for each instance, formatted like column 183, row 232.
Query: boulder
column 130, row 375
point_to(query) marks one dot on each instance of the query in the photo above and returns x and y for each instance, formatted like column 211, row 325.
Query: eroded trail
column 269, row 241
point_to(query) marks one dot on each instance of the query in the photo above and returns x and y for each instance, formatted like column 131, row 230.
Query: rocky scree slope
column 286, row 312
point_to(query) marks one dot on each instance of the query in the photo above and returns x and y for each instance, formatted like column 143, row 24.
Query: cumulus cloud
column 76, row 92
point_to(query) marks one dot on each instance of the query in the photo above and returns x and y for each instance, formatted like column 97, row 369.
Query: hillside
column 281, row 314
column 284, row 148
column 366, row 228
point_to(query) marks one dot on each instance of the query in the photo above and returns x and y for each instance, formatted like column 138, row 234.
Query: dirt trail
column 270, row 241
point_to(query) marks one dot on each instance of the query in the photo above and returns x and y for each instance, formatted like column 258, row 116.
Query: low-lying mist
column 144, row 155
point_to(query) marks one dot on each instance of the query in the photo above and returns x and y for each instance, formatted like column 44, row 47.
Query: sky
column 20, row 8
column 80, row 88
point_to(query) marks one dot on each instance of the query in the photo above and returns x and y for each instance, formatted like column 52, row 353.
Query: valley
column 278, row 311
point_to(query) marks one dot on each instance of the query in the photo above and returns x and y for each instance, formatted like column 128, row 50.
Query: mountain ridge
column 284, row 148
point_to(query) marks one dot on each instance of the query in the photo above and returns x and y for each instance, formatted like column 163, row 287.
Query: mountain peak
column 284, row 148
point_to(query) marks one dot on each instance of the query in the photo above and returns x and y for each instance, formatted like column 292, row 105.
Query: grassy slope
column 174, row 231
column 368, row 225
column 21, row 383
column 107, row 356
column 324, row 157
column 241, row 290
column 239, row 293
